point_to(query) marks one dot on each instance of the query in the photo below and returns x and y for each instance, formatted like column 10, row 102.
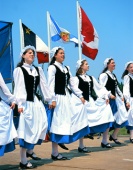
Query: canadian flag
column 90, row 38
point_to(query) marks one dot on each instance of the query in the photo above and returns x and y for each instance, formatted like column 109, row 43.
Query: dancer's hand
column 128, row 105
column 53, row 105
column 12, row 105
column 82, row 100
column 112, row 96
column 20, row 110
column 107, row 101
column 122, row 98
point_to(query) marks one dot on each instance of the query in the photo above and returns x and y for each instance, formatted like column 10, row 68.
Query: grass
column 123, row 131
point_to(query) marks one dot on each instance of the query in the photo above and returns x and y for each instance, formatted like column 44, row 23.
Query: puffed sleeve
column 74, row 82
column 5, row 93
column 51, row 80
column 100, row 90
column 19, row 88
column 103, row 79
column 126, row 88
column 43, row 86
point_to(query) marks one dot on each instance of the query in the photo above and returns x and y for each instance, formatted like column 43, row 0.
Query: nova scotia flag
column 60, row 34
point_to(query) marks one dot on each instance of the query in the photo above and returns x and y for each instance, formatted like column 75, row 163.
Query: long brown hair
column 106, row 68
column 53, row 58
column 22, row 59
column 80, row 71
column 126, row 71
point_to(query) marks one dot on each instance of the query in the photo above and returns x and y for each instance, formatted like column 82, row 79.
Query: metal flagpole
column 48, row 29
column 79, row 37
column 21, row 33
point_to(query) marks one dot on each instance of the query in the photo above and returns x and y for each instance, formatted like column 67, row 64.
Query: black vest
column 131, row 86
column 85, row 87
column 61, row 81
column 31, row 83
column 111, row 84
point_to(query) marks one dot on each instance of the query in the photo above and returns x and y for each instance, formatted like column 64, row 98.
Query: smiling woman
column 109, row 80
column 33, row 120
column 68, row 124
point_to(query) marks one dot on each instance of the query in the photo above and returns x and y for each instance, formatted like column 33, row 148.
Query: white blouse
column 100, row 91
column 104, row 78
column 20, row 90
column 51, row 76
column 126, row 88
column 5, row 93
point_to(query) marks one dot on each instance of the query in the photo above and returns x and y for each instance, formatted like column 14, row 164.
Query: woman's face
column 60, row 56
column 85, row 67
column 29, row 56
column 111, row 65
column 130, row 68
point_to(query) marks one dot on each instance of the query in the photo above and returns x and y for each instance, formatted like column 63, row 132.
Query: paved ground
column 118, row 158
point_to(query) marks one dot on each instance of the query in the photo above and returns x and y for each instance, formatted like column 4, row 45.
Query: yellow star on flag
column 27, row 31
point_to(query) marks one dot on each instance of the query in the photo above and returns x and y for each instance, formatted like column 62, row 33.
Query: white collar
column 60, row 65
column 109, row 72
column 131, row 75
column 30, row 66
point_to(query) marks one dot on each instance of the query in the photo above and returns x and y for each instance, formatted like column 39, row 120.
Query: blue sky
column 113, row 20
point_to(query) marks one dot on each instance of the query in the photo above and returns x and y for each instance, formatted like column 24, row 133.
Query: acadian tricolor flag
column 89, row 35
column 60, row 34
column 30, row 38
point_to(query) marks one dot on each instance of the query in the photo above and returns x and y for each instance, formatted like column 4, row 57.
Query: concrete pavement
column 117, row 158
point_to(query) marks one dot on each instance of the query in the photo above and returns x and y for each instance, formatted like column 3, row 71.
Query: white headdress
column 78, row 64
column 53, row 51
column 106, row 62
column 26, row 48
column 126, row 65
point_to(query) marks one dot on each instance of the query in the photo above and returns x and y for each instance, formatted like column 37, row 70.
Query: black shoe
column 83, row 150
column 105, row 145
column 59, row 157
column 27, row 166
column 131, row 140
column 89, row 136
column 115, row 140
column 128, row 131
column 32, row 156
column 63, row 146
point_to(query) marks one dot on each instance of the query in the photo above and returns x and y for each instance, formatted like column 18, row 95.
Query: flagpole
column 79, row 39
column 48, row 34
column 20, row 27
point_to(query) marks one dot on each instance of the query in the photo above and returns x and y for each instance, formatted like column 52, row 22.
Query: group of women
column 74, row 111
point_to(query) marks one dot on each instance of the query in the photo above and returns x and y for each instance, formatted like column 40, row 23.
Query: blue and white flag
column 60, row 34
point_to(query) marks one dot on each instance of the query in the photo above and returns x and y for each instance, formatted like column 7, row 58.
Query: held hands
column 12, row 105
column 82, row 100
column 53, row 105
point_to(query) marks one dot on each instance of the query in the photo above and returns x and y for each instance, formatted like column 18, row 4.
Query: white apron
column 33, row 122
column 121, row 115
column 69, row 116
column 98, row 112
column 7, row 128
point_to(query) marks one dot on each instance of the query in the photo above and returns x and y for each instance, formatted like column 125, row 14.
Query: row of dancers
column 72, row 111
